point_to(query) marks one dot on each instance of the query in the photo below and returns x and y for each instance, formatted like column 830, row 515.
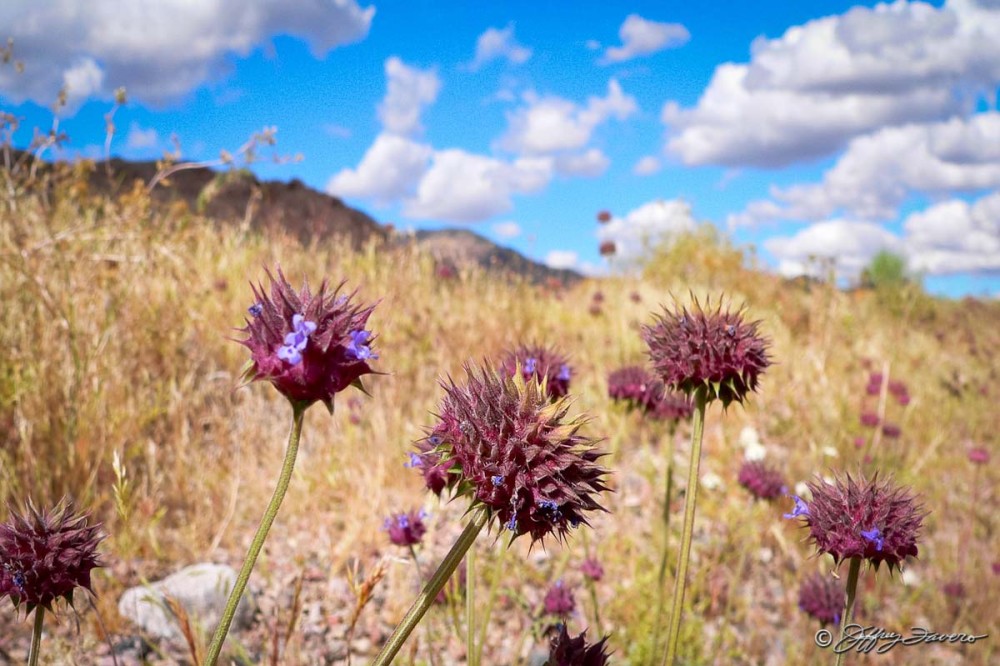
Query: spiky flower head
column 541, row 363
column 431, row 463
column 406, row 528
column 869, row 419
column 665, row 405
column 46, row 555
column 309, row 346
column 872, row 520
column 630, row 383
column 762, row 481
column 822, row 597
column 567, row 651
column 978, row 455
column 516, row 454
column 637, row 387
column 559, row 600
column 717, row 351
column 592, row 569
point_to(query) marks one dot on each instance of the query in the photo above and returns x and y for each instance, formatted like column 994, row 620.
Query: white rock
column 200, row 589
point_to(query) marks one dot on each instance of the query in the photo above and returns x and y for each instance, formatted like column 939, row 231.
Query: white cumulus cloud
column 495, row 44
column 409, row 91
column 588, row 164
column 139, row 138
column 389, row 170
column 561, row 259
column 507, row 229
column 850, row 244
column 464, row 187
column 646, row 227
column 878, row 172
column 642, row 37
column 647, row 166
column 551, row 124
column 807, row 93
column 955, row 237
column 158, row 49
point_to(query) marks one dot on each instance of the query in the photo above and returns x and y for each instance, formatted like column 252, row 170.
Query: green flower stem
column 852, row 591
column 36, row 636
column 298, row 411
column 667, row 495
column 470, row 607
column 690, row 501
column 491, row 601
column 431, row 589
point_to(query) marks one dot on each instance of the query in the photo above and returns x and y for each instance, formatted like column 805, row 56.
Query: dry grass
column 114, row 332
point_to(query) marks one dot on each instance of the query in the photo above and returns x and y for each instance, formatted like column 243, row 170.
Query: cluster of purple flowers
column 870, row 414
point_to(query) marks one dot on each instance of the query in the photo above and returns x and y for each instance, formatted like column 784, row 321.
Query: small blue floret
column 801, row 508
column 358, row 346
column 295, row 342
column 875, row 536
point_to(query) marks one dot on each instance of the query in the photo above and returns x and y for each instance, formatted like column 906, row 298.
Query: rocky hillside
column 237, row 196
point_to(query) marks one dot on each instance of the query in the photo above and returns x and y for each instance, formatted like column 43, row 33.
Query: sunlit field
column 120, row 388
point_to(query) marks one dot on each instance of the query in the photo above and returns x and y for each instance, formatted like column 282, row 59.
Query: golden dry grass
column 114, row 330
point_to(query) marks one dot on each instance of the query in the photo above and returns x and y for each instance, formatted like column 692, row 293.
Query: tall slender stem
column 470, row 606
column 690, row 502
column 36, row 636
column 661, row 579
column 298, row 411
column 433, row 586
column 852, row 591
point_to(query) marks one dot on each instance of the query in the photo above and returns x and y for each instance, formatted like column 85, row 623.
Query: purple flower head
column 592, row 569
column 47, row 555
column 801, row 508
column 495, row 425
column 891, row 430
column 716, row 351
column 979, row 455
column 869, row 419
column 630, row 384
column 873, row 520
column 567, row 651
column 822, row 597
column 542, row 363
column 431, row 463
column 873, row 389
column 762, row 481
column 559, row 600
column 306, row 344
column 406, row 529
column 954, row 589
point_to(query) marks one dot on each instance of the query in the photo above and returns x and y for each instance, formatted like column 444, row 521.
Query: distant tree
column 886, row 271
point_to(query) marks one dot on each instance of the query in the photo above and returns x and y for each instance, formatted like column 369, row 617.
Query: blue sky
column 805, row 129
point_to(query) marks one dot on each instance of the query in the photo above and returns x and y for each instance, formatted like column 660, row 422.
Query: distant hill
column 229, row 196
